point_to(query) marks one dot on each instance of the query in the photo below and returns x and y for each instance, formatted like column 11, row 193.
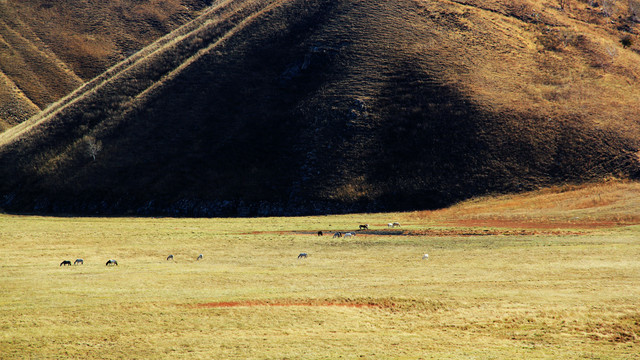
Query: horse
column 78, row 261
column 199, row 257
column 364, row 227
column 337, row 235
column 111, row 262
column 170, row 257
column 390, row 225
column 349, row 234
column 396, row 224
column 425, row 257
column 320, row 233
column 302, row 255
column 65, row 262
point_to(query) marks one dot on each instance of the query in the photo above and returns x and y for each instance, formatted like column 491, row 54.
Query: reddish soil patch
column 483, row 227
column 268, row 232
column 251, row 303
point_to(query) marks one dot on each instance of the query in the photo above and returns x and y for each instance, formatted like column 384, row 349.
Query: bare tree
column 612, row 51
column 93, row 146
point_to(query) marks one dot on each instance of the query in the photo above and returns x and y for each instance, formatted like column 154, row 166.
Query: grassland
column 564, row 292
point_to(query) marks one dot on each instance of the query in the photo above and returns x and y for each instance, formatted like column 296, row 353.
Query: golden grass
column 503, row 59
column 609, row 201
column 48, row 49
column 487, row 297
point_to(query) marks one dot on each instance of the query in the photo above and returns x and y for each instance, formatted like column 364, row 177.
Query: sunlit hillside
column 312, row 106
column 48, row 48
column 609, row 203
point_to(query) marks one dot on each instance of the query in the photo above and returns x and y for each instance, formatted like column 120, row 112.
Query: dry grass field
column 555, row 290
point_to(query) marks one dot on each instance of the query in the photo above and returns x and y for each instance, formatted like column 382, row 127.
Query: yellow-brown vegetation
column 295, row 106
column 570, row 295
column 48, row 48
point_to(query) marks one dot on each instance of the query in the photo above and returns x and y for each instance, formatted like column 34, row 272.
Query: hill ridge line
column 15, row 133
column 204, row 51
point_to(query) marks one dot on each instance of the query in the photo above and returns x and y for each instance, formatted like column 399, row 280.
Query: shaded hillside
column 48, row 48
column 292, row 106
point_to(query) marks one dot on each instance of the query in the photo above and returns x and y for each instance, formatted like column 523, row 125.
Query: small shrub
column 550, row 39
column 522, row 10
column 564, row 4
column 93, row 146
column 626, row 41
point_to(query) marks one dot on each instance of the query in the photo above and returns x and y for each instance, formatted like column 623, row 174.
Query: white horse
column 349, row 234
column 425, row 257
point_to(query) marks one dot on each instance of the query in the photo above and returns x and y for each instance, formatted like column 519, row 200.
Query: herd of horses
column 67, row 262
column 304, row 255
column 81, row 262
column 339, row 234
column 360, row 227
column 110, row 262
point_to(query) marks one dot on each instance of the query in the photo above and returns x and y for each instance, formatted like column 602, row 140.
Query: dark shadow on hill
column 295, row 114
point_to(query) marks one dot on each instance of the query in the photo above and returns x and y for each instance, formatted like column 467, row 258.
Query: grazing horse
column 65, row 262
column 302, row 255
column 337, row 235
column 170, row 257
column 390, row 225
column 111, row 262
column 78, row 261
column 349, row 234
column 364, row 227
column 320, row 233
column 425, row 257
column 199, row 257
column 396, row 224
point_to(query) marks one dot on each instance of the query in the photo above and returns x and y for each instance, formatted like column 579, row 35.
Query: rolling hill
column 49, row 48
column 286, row 107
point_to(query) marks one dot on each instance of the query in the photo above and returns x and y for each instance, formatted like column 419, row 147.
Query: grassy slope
column 49, row 48
column 408, row 104
column 32, row 75
column 569, row 295
column 608, row 203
